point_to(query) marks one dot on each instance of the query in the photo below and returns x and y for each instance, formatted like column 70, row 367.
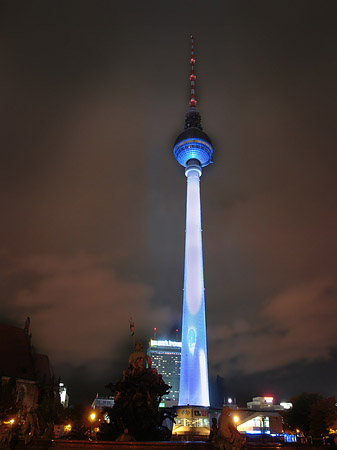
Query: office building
column 165, row 356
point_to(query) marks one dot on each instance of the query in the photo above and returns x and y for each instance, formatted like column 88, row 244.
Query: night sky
column 93, row 95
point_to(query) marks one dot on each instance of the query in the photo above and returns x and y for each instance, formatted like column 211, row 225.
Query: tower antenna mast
column 193, row 102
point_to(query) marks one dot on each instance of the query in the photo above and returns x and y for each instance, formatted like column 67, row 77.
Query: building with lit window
column 261, row 417
column 267, row 403
column 165, row 356
column 101, row 402
column 191, row 417
column 64, row 397
column 259, row 422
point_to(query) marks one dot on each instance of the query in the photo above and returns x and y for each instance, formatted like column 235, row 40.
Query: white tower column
column 194, row 388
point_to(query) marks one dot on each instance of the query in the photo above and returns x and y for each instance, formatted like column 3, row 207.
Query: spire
column 193, row 143
column 192, row 117
column 193, row 102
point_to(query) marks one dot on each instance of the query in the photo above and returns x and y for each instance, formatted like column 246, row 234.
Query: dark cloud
column 297, row 325
column 92, row 98
column 80, row 310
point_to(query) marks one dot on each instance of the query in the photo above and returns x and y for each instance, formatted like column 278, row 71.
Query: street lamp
column 9, row 422
column 92, row 417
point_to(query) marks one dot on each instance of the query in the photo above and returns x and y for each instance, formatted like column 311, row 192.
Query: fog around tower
column 93, row 96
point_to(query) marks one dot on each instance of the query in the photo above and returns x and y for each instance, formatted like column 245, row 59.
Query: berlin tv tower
column 193, row 150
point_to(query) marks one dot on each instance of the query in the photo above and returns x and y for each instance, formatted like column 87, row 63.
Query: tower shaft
column 194, row 388
column 193, row 150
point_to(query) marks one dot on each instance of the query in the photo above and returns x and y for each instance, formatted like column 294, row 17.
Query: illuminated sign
column 186, row 412
column 165, row 343
column 268, row 399
column 200, row 413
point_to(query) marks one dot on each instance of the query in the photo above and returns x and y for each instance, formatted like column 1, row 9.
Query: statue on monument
column 138, row 358
column 137, row 398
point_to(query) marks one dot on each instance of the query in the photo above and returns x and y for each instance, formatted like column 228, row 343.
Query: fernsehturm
column 193, row 150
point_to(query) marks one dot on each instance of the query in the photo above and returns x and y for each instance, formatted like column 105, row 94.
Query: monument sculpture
column 136, row 414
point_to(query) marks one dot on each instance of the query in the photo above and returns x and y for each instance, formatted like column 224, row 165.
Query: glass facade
column 165, row 356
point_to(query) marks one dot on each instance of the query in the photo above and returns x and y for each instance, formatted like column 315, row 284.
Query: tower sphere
column 193, row 143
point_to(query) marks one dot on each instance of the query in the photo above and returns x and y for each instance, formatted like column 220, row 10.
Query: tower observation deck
column 193, row 150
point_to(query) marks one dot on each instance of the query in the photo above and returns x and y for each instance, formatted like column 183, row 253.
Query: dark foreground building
column 30, row 373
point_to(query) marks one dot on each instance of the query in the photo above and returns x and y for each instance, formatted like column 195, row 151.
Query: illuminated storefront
column 191, row 417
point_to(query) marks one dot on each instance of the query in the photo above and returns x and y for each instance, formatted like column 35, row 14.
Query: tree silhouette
column 312, row 414
column 323, row 416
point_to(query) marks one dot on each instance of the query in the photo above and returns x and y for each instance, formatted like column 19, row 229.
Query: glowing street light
column 92, row 417
column 9, row 422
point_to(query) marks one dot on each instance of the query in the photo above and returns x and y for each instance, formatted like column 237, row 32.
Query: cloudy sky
column 93, row 95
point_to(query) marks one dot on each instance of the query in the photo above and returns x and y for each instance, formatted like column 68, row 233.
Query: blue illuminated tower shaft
column 193, row 150
column 194, row 371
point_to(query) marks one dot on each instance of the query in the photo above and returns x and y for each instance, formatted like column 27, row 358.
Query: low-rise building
column 101, row 402
column 267, row 403
column 261, row 417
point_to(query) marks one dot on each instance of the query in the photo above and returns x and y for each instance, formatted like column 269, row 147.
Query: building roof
column 15, row 353
column 18, row 359
column 44, row 370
